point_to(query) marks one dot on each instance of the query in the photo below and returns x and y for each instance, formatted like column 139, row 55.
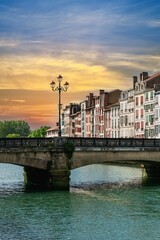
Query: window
column 141, row 100
column 151, row 95
column 136, row 101
column 146, row 96
column 151, row 119
column 126, row 120
column 141, row 112
column 142, row 86
column 142, row 125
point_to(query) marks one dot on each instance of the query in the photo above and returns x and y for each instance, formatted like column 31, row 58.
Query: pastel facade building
column 139, row 105
column 89, row 116
column 114, row 120
column 83, row 118
column 107, row 122
column 157, row 111
column 52, row 132
column 126, row 114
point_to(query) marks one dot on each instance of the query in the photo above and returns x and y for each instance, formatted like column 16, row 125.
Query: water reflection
column 96, row 176
column 105, row 176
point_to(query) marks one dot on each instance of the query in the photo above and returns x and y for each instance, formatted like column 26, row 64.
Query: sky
column 98, row 44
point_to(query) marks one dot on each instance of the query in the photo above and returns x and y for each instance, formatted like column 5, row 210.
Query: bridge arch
column 84, row 158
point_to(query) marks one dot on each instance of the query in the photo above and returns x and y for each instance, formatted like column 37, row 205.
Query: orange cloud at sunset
column 35, row 73
column 93, row 46
column 25, row 86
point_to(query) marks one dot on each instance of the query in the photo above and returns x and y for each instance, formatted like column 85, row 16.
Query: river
column 104, row 203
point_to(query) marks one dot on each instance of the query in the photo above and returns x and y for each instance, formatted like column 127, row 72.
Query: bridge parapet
column 78, row 142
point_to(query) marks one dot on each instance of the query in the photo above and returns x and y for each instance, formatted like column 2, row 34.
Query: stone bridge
column 46, row 164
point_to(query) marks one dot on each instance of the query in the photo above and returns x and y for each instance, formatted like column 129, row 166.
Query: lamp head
column 59, row 78
column 52, row 84
column 66, row 85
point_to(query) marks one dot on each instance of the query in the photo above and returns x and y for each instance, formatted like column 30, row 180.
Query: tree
column 13, row 135
column 40, row 132
column 14, row 127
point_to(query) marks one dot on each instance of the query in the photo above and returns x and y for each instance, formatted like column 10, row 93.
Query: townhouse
column 126, row 114
column 157, row 111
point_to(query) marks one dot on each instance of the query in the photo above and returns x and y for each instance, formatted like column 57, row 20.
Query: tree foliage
column 13, row 135
column 14, row 127
column 40, row 132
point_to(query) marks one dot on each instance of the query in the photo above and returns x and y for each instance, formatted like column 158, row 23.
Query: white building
column 124, row 114
column 149, row 113
column 83, row 118
column 114, row 120
column 130, row 110
column 52, row 132
column 139, row 106
column 157, row 111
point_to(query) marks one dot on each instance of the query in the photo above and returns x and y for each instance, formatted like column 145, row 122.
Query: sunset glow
column 93, row 47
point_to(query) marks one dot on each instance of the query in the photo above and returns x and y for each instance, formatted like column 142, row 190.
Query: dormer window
column 136, row 88
column 142, row 87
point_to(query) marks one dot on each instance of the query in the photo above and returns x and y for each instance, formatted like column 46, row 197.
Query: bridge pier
column 59, row 171
column 56, row 177
column 152, row 172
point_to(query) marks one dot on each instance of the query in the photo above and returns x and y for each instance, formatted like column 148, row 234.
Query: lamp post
column 60, row 89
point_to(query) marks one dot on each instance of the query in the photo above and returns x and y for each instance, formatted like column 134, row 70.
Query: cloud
column 154, row 23
column 93, row 46
column 18, row 100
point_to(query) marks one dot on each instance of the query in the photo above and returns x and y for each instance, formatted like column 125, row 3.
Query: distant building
column 68, row 123
column 52, row 132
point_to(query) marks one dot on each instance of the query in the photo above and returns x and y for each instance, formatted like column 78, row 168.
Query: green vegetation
column 40, row 132
column 11, row 128
column 13, row 135
column 69, row 149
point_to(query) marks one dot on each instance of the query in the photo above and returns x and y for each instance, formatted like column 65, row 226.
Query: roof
column 52, row 129
column 151, row 81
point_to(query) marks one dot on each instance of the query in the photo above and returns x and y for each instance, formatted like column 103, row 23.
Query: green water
column 104, row 203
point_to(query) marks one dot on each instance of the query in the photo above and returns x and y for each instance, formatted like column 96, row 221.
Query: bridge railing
column 114, row 142
column 78, row 142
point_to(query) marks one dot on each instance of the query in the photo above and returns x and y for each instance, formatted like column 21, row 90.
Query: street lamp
column 60, row 89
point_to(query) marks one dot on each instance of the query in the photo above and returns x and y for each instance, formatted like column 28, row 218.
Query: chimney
column 101, row 92
column 143, row 76
column 135, row 79
column 90, row 99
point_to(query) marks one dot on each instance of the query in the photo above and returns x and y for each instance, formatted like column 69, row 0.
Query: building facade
column 133, row 113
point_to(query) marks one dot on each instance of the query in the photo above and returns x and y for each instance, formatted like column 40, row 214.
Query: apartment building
column 68, row 119
column 89, row 116
column 77, row 132
column 52, row 132
column 107, row 122
column 83, row 118
column 139, row 105
column 157, row 111
column 126, row 114
column 114, row 120
column 123, row 114
column 149, row 113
